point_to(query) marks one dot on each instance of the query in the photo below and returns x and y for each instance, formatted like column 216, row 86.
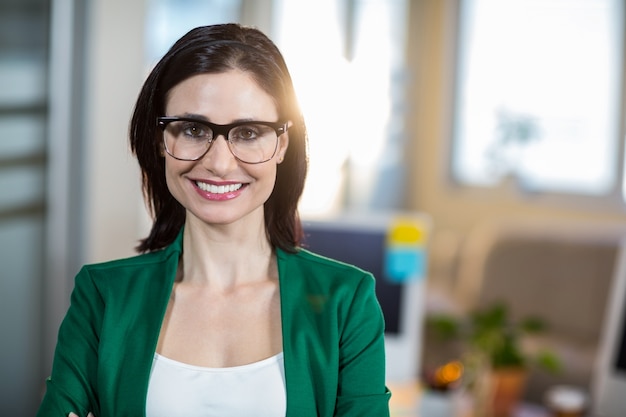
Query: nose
column 219, row 159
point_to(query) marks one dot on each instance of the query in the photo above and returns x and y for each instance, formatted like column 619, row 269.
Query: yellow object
column 404, row 232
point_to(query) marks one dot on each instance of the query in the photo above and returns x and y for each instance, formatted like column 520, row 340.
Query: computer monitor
column 609, row 383
column 361, row 240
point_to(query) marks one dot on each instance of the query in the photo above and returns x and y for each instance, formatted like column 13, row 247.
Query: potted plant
column 495, row 362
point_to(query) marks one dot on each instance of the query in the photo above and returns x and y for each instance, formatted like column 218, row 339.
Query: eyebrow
column 201, row 118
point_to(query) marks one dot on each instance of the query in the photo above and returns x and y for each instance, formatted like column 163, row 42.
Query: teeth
column 218, row 189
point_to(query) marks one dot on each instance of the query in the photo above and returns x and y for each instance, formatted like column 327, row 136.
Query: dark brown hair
column 216, row 49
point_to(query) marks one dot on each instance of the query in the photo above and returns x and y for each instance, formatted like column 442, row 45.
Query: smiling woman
column 228, row 97
column 223, row 312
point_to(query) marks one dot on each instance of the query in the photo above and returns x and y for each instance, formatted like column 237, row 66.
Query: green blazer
column 332, row 337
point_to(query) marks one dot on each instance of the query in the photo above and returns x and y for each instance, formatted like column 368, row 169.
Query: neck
column 224, row 256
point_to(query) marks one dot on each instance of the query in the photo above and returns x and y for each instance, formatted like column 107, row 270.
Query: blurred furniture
column 558, row 271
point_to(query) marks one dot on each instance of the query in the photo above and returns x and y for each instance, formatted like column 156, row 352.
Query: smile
column 218, row 189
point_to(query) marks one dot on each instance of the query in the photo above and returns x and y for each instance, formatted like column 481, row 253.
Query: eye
column 246, row 133
column 195, row 130
column 251, row 132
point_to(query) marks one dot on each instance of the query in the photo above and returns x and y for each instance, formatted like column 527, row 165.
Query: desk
column 411, row 400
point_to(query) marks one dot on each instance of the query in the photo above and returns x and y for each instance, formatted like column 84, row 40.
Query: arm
column 71, row 387
column 361, row 390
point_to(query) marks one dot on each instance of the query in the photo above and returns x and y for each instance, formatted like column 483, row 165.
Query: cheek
column 264, row 176
column 267, row 177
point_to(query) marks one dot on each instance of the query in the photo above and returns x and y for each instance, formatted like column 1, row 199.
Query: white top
column 178, row 389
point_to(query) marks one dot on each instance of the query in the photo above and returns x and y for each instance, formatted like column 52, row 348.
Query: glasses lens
column 249, row 142
column 253, row 142
column 187, row 140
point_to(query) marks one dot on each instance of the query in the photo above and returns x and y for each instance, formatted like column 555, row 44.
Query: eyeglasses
column 189, row 139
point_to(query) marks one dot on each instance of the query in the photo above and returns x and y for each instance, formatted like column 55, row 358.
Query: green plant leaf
column 490, row 333
column 549, row 361
column 444, row 326
column 533, row 325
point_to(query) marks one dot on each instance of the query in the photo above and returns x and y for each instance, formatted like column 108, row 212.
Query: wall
column 115, row 217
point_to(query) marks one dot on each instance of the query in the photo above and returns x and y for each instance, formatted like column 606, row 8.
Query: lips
column 218, row 189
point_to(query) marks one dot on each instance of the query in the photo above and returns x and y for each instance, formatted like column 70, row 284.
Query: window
column 538, row 95
column 347, row 62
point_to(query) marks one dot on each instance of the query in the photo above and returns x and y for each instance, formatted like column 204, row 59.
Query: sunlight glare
column 345, row 104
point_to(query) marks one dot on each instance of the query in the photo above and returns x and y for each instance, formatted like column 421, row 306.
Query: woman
column 223, row 314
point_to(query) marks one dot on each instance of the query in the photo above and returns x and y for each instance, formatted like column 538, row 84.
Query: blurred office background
column 480, row 113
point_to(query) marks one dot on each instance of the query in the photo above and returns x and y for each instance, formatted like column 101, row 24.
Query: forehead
column 221, row 97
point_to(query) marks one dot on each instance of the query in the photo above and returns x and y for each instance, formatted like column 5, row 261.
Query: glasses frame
column 221, row 130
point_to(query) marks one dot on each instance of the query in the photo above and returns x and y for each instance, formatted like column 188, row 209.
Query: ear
column 283, row 144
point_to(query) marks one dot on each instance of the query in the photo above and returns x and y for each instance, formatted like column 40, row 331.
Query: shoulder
column 316, row 270
column 147, row 260
column 333, row 291
column 306, row 258
column 137, row 272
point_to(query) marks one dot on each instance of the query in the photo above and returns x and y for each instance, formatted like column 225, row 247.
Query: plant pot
column 507, row 388
column 497, row 392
